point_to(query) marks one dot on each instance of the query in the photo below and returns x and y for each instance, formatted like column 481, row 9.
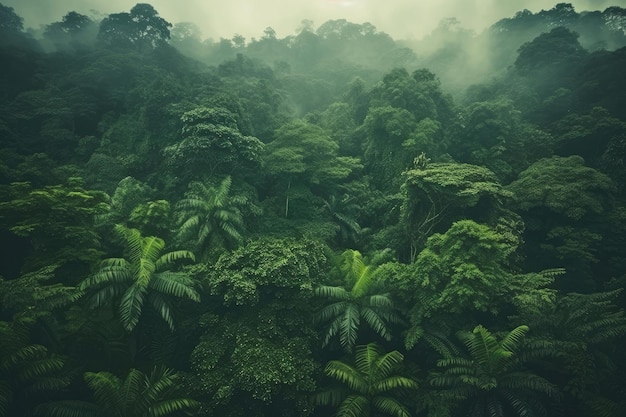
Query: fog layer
column 216, row 18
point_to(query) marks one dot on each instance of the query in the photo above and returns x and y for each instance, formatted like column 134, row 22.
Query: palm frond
column 363, row 282
column 163, row 308
column 32, row 369
column 105, row 387
column 173, row 256
column 171, row 406
column 103, row 296
column 330, row 311
column 6, row 396
column 332, row 397
column 366, row 356
column 385, row 364
column 338, row 293
column 175, row 284
column 353, row 406
column 130, row 306
column 106, row 275
column 393, row 382
column 349, row 326
column 129, row 391
column 375, row 322
column 346, row 374
column 158, row 383
column 68, row 408
column 391, row 406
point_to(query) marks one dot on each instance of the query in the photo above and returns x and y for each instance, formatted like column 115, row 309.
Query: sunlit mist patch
column 342, row 3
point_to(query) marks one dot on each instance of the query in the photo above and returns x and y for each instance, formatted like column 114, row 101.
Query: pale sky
column 224, row 18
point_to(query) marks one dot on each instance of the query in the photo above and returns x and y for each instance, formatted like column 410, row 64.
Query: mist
column 402, row 19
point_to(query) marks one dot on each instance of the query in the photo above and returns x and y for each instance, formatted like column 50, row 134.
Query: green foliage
column 36, row 293
column 26, row 369
column 140, row 277
column 369, row 385
column 438, row 193
column 358, row 299
column 306, row 151
column 563, row 185
column 268, row 268
column 211, row 217
column 137, row 395
column 57, row 219
column 252, row 361
column 579, row 327
column 463, row 269
column 492, row 380
column 142, row 29
column 212, row 145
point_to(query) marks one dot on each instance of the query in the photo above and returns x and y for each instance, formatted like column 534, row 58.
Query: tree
column 361, row 301
column 211, row 217
column 74, row 28
column 435, row 194
column 564, row 186
column 369, row 386
column 304, row 153
column 137, row 395
column 9, row 20
column 140, row 277
column 212, row 144
column 262, row 320
column 564, row 205
column 142, row 29
column 266, row 269
column 58, row 220
column 492, row 380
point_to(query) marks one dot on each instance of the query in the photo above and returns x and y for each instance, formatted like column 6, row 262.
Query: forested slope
column 330, row 222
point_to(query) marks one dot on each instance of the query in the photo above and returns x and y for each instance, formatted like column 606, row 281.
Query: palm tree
column 340, row 211
column 211, row 217
column 348, row 307
column 491, row 382
column 368, row 386
column 138, row 395
column 140, row 277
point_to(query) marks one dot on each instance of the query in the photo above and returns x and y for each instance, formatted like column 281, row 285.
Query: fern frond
column 513, row 339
